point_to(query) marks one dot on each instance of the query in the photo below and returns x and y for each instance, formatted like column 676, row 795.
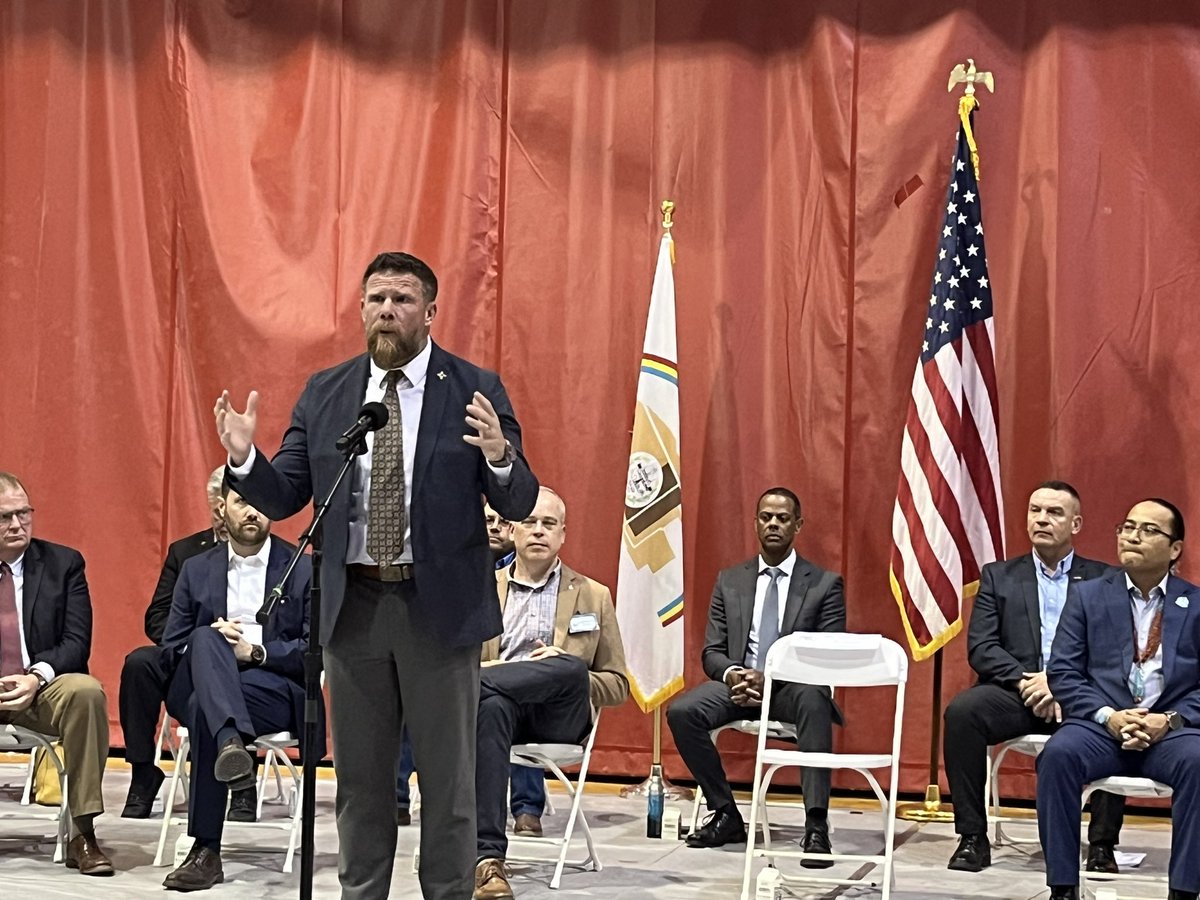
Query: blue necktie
column 768, row 623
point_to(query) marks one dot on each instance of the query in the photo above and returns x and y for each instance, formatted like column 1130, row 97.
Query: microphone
column 371, row 417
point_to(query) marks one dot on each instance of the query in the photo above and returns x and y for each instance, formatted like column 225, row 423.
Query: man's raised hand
column 235, row 429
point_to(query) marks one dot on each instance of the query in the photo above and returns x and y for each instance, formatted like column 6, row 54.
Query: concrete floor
column 634, row 868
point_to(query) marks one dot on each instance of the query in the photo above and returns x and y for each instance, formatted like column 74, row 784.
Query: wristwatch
column 509, row 457
column 1174, row 720
column 258, row 655
column 37, row 673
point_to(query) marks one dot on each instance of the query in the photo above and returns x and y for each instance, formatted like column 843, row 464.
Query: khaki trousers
column 73, row 708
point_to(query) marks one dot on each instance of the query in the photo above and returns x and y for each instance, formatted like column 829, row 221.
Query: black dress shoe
column 1064, row 892
column 1174, row 894
column 200, row 871
column 140, row 799
column 723, row 827
column 974, row 853
column 816, row 840
column 243, row 806
column 1101, row 859
column 234, row 765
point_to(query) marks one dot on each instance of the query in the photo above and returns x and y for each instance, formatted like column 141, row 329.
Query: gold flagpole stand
column 670, row 791
column 932, row 810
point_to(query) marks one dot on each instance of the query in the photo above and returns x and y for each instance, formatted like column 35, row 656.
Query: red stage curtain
column 192, row 189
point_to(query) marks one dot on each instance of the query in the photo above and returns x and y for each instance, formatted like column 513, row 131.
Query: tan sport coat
column 600, row 649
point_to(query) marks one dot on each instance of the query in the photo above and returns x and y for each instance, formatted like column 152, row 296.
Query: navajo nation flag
column 948, row 519
column 650, row 578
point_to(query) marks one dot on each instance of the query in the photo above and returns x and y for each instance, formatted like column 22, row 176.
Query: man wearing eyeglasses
column 1013, row 623
column 1125, row 667
column 45, row 642
column 559, row 656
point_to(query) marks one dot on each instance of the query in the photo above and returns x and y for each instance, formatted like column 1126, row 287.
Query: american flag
column 948, row 519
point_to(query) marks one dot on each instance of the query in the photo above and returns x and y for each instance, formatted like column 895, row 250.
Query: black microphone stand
column 312, row 669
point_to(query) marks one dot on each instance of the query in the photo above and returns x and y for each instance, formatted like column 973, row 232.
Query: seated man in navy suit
column 144, row 679
column 774, row 593
column 1125, row 667
column 232, row 679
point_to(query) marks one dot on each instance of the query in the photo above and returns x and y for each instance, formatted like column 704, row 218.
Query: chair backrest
column 837, row 659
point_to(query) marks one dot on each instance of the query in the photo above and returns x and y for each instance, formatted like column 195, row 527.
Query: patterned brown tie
column 11, row 662
column 385, row 523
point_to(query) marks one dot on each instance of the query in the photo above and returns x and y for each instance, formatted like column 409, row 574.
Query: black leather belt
column 402, row 572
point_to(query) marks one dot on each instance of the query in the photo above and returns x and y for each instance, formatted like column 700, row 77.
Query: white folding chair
column 776, row 731
column 839, row 660
column 1127, row 787
column 1026, row 745
column 274, row 746
column 14, row 738
column 555, row 758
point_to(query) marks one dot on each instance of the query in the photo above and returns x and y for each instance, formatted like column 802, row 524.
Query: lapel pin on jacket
column 441, row 376
column 1181, row 602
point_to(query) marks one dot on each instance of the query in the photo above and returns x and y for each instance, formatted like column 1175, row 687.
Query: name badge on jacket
column 583, row 622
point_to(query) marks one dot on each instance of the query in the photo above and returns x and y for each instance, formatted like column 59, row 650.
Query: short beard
column 239, row 534
column 389, row 351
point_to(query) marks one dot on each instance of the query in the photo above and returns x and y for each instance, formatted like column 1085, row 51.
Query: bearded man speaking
column 409, row 590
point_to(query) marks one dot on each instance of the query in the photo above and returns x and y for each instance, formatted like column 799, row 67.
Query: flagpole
column 932, row 809
column 670, row 791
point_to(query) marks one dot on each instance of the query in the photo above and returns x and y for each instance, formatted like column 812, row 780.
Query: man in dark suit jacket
column 45, row 642
column 233, row 681
column 805, row 597
column 143, row 676
column 401, row 632
column 1013, row 621
column 1126, row 670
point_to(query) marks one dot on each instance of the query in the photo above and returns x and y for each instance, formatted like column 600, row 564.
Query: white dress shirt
column 245, row 590
column 18, row 576
column 760, row 597
column 1144, row 610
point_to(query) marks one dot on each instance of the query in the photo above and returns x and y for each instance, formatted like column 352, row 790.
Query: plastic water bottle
column 654, row 803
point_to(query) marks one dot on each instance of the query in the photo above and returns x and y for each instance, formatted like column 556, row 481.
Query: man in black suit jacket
column 806, row 598
column 143, row 676
column 401, row 633
column 1012, row 626
column 231, row 680
column 45, row 642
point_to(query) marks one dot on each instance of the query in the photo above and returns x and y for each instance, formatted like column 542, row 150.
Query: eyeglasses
column 24, row 515
column 1144, row 531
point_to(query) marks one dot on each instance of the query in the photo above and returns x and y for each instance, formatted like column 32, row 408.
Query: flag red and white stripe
column 948, row 519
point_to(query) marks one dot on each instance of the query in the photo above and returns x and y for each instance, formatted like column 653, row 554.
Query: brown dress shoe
column 84, row 854
column 527, row 825
column 200, row 871
column 491, row 881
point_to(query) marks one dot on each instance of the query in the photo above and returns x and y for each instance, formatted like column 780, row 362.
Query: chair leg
column 696, row 805
column 63, row 836
column 177, row 777
column 294, row 831
column 27, row 794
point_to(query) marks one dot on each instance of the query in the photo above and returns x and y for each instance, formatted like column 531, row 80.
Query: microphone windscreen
column 376, row 412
